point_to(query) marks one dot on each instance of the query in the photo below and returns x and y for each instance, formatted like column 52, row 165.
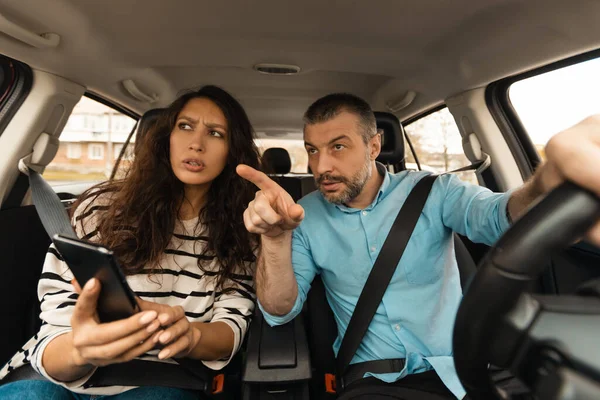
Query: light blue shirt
column 416, row 316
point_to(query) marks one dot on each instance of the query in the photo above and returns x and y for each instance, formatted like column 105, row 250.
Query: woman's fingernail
column 163, row 318
column 152, row 327
column 148, row 317
column 164, row 338
column 156, row 336
column 164, row 354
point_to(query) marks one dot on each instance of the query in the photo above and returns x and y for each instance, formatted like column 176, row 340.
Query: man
column 345, row 223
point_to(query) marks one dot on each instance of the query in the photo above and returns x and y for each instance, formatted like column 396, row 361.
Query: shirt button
column 364, row 213
column 397, row 327
column 373, row 249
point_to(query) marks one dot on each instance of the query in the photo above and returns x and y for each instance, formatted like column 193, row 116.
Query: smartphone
column 89, row 260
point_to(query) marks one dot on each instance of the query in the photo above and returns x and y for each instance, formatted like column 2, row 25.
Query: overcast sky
column 556, row 100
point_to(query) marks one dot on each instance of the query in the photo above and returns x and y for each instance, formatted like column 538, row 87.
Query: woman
column 175, row 223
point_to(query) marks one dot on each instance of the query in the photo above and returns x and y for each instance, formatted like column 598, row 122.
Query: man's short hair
column 330, row 106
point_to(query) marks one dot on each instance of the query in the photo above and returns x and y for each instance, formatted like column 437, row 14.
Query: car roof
column 381, row 50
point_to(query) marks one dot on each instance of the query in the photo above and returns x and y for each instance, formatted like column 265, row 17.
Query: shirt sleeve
column 304, row 271
column 473, row 211
column 234, row 306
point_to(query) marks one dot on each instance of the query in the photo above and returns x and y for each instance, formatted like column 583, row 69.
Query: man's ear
column 375, row 146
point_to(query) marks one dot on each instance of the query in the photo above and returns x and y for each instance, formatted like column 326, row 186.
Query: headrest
column 144, row 124
column 392, row 138
column 276, row 160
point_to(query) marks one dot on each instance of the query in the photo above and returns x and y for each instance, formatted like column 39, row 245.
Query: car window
column 553, row 101
column 438, row 145
column 90, row 144
column 295, row 148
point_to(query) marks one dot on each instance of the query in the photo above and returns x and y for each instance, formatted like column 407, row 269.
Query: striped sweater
column 179, row 281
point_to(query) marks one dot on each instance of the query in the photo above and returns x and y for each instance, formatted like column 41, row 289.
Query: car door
column 93, row 138
column 533, row 107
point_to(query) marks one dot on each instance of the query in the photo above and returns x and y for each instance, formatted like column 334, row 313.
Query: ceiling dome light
column 277, row 69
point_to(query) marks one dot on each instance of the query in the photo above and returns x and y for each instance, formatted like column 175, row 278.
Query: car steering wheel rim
column 517, row 259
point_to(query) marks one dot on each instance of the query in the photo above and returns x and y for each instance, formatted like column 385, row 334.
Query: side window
column 90, row 144
column 438, row 145
column 295, row 148
column 553, row 101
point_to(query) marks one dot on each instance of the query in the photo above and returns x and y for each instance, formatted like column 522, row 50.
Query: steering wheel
column 551, row 343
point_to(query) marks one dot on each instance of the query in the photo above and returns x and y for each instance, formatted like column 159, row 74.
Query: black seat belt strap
column 382, row 273
column 50, row 209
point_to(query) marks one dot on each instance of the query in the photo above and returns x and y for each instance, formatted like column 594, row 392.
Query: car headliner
column 379, row 49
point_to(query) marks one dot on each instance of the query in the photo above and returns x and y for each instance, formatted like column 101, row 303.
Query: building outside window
column 96, row 151
column 74, row 151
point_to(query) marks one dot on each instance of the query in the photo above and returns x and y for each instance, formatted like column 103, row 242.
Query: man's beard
column 353, row 185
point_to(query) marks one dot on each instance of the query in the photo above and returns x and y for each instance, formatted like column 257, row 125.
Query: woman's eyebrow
column 214, row 125
column 189, row 119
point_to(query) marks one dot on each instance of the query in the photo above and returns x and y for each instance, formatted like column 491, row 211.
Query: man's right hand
column 273, row 211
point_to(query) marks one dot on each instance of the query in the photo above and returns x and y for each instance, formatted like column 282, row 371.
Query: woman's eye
column 184, row 126
column 216, row 134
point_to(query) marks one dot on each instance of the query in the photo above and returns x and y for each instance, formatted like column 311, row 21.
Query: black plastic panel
column 269, row 357
column 23, row 245
column 277, row 347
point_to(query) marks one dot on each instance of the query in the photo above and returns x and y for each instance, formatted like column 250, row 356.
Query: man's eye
column 311, row 151
column 339, row 146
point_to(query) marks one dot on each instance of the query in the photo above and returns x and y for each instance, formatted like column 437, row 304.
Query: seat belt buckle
column 330, row 383
column 218, row 384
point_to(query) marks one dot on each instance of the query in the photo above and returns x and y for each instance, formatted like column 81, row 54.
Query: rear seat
column 277, row 164
column 144, row 124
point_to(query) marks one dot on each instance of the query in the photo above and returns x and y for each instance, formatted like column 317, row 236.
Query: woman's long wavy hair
column 144, row 206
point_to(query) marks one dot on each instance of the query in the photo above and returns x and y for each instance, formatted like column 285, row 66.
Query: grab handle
column 41, row 41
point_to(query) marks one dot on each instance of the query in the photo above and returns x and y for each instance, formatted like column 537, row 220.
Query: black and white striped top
column 179, row 281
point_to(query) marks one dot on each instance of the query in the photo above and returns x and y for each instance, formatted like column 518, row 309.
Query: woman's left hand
column 180, row 336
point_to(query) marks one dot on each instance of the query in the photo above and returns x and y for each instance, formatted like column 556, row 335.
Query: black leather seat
column 277, row 164
column 392, row 140
column 145, row 122
column 322, row 329
column 276, row 161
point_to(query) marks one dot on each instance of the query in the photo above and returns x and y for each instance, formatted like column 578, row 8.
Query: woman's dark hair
column 143, row 209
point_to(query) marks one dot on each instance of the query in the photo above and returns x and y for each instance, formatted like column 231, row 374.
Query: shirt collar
column 381, row 170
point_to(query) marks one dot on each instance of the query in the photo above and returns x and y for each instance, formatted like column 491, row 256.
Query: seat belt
column 381, row 274
column 55, row 220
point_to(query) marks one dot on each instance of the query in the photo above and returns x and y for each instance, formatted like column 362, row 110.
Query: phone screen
column 88, row 260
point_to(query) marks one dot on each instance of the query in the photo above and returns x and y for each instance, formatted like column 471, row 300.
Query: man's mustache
column 331, row 179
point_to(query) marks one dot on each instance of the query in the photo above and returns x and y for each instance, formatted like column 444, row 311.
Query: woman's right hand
column 100, row 344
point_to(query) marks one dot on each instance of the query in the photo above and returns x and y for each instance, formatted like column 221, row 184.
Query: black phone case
column 88, row 260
